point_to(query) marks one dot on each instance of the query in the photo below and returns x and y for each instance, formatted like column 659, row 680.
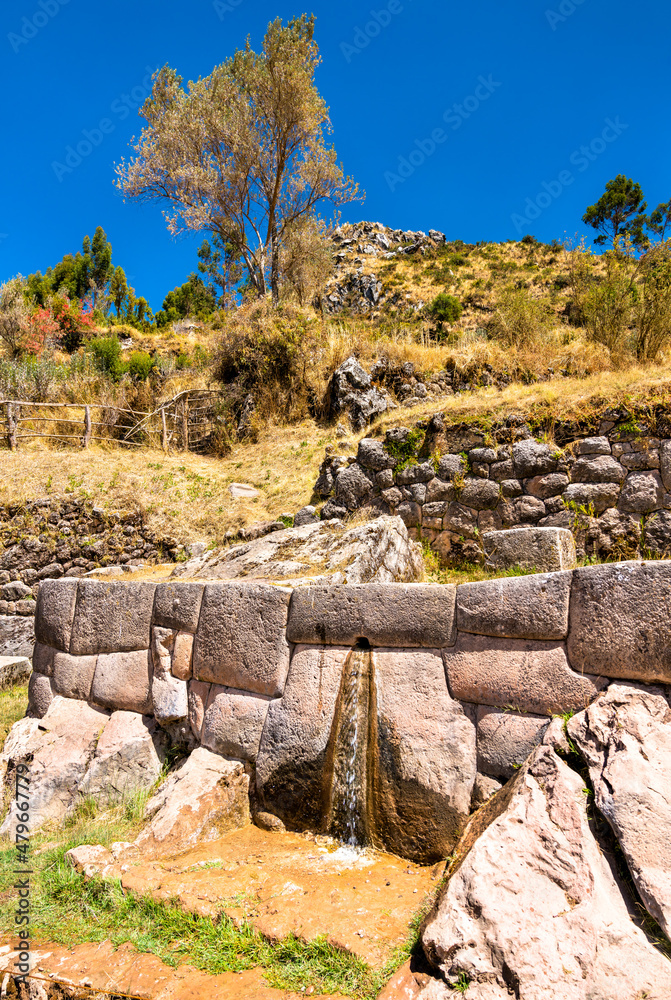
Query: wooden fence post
column 12, row 421
column 87, row 427
column 185, row 424
column 164, row 425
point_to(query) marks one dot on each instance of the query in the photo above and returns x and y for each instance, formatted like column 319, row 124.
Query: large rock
column 110, row 617
column 58, row 750
column 233, row 722
column 522, row 607
column 128, row 758
column 351, row 393
column 206, row 797
column 168, row 693
column 54, row 613
column 642, row 493
column 384, row 614
column 540, row 549
column 14, row 670
column 40, row 695
column 599, row 496
column 17, row 635
column 241, row 639
column 517, row 673
column 625, row 737
column 424, row 755
column 533, row 459
column 505, row 740
column 353, row 488
column 621, row 621
column 597, row 469
column 123, row 681
column 379, row 551
column 73, row 675
column 534, row 903
column 290, row 768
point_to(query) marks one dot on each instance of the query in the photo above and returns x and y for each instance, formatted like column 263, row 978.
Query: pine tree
column 619, row 212
column 118, row 289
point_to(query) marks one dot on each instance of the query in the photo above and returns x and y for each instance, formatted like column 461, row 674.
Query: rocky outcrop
column 532, row 906
column 351, row 395
column 379, row 551
column 625, row 737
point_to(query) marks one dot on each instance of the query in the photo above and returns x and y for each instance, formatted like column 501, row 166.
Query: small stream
column 348, row 820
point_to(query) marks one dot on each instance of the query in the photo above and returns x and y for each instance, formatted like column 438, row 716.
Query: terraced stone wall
column 463, row 680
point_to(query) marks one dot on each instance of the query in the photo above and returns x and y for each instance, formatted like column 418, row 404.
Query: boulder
column 600, row 496
column 372, row 455
column 17, row 635
column 658, row 533
column 54, row 613
column 424, row 756
column 545, row 487
column 625, row 737
column 540, row 549
column 522, row 607
column 14, row 670
column 241, row 639
column 411, row 614
column 597, row 469
column 350, row 393
column 620, row 616
column 533, row 459
column 517, row 673
column 480, row 494
column 233, row 722
column 206, row 797
column 642, row 493
column 293, row 752
column 594, row 446
column 505, row 740
column 533, row 903
column 177, row 605
column 110, row 617
column 353, row 488
column 379, row 551
column 484, row 787
column 40, row 695
column 123, row 681
column 128, row 758
column 306, row 515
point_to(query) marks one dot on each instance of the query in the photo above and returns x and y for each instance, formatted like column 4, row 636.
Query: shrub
column 14, row 315
column 107, row 354
column 519, row 320
column 141, row 365
column 445, row 309
column 653, row 306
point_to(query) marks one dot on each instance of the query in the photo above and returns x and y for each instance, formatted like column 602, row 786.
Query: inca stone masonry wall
column 463, row 680
column 452, row 484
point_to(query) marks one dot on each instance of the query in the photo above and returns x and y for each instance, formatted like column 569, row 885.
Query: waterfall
column 348, row 814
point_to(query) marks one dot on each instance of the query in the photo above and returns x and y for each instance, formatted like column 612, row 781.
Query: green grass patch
column 68, row 909
column 13, row 705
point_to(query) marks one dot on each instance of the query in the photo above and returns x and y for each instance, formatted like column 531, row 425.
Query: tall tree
column 241, row 154
column 101, row 265
column 660, row 220
column 118, row 289
column 222, row 266
column 619, row 212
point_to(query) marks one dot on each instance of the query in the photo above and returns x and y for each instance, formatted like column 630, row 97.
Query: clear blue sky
column 534, row 81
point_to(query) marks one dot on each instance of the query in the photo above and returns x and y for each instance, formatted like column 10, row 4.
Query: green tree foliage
column 78, row 275
column 241, row 154
column 107, row 354
column 193, row 298
column 222, row 265
column 445, row 309
column 619, row 213
column 660, row 220
column 101, row 265
column 119, row 289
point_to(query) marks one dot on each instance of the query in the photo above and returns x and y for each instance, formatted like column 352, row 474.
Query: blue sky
column 484, row 120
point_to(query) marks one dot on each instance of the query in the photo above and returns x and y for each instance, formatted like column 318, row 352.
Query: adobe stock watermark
column 120, row 108
column 565, row 10
column 455, row 116
column 224, row 7
column 31, row 26
column 582, row 159
column 23, row 871
column 379, row 20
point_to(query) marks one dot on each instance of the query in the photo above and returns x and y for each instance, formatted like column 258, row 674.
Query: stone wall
column 459, row 683
column 452, row 484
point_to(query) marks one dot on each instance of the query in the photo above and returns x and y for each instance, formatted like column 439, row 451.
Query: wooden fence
column 187, row 422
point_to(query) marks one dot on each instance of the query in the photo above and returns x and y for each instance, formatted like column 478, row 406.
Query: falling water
column 348, row 819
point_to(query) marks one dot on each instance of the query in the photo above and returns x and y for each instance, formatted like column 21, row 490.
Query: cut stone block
column 620, row 620
column 241, row 640
column 73, row 675
column 233, row 723
column 410, row 614
column 522, row 607
column 293, row 751
column 517, row 673
column 122, row 681
column 40, row 695
column 43, row 659
column 182, row 654
column 14, row 670
column 505, row 740
column 177, row 605
column 424, row 756
column 111, row 617
column 199, row 693
column 543, row 549
column 54, row 613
